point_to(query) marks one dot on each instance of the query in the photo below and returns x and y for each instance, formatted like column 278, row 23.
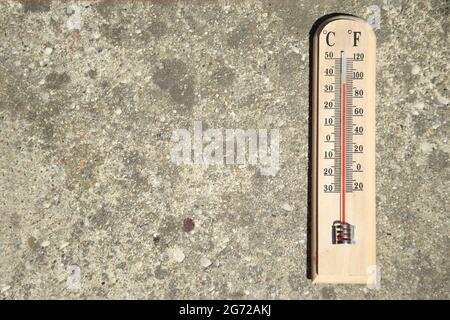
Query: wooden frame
column 355, row 262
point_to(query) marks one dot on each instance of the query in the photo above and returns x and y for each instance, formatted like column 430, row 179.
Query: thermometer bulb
column 343, row 233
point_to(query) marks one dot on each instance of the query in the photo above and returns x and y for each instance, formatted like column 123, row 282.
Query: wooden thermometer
column 343, row 157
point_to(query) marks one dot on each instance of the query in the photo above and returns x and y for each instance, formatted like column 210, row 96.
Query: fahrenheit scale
column 343, row 166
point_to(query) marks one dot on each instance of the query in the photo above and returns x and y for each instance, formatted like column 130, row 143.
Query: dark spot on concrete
column 104, row 84
column 156, row 29
column 134, row 158
column 242, row 36
column 32, row 243
column 328, row 293
column 48, row 130
column 92, row 73
column 172, row 292
column 174, row 78
column 160, row 273
column 15, row 219
column 237, row 295
column 36, row 5
column 197, row 27
column 106, row 7
column 224, row 76
column 188, row 225
column 165, row 2
column 421, row 124
column 261, row 182
column 123, row 96
column 138, row 180
column 156, row 238
column 101, row 219
column 56, row 80
column 438, row 161
column 170, row 229
column 100, row 292
column 116, row 33
column 294, row 282
column 121, row 265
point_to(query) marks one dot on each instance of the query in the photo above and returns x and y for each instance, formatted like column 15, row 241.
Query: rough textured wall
column 91, row 205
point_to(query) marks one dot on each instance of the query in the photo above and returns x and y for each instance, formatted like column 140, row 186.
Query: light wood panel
column 344, row 263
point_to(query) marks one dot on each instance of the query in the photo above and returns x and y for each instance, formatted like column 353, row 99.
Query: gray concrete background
column 91, row 206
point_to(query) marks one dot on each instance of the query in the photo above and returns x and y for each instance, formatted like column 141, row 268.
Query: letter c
column 328, row 38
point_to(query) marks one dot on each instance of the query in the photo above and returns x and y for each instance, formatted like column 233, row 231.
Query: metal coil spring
column 342, row 233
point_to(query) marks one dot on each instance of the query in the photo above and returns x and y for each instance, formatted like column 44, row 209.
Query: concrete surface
column 92, row 207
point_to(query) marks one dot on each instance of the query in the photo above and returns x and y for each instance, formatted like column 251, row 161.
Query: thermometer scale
column 343, row 153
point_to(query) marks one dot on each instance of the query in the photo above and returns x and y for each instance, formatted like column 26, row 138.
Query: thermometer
column 343, row 151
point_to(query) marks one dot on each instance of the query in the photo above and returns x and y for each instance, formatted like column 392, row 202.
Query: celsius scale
column 343, row 152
